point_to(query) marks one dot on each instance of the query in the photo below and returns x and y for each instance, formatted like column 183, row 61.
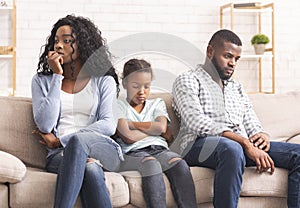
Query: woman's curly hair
column 92, row 49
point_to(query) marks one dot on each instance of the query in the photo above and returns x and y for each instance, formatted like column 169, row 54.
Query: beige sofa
column 25, row 183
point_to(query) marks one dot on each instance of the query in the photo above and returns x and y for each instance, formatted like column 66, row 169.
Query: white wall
column 193, row 21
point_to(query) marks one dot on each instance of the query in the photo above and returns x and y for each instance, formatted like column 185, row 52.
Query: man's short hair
column 224, row 35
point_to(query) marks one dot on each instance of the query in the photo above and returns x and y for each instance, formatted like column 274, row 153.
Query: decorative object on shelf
column 5, row 50
column 259, row 42
column 246, row 5
column 3, row 3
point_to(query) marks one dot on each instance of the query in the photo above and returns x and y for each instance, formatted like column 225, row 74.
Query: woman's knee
column 74, row 142
column 93, row 169
column 74, row 148
column 81, row 140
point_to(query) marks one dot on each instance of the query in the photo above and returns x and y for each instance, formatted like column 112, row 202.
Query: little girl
column 141, row 124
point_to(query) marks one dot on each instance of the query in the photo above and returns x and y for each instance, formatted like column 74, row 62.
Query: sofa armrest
column 12, row 169
column 294, row 139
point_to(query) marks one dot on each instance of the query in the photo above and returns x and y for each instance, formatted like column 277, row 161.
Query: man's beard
column 221, row 72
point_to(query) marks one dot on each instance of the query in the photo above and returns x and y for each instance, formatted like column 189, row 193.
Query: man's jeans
column 76, row 176
column 228, row 160
column 151, row 161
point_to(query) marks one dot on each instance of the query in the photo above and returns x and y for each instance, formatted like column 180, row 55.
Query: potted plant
column 259, row 42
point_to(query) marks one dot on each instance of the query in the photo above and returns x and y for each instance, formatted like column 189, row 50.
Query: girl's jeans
column 151, row 162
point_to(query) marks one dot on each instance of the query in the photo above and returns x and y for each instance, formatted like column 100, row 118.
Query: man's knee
column 232, row 152
column 232, row 148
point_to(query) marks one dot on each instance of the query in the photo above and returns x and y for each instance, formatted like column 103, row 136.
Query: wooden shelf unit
column 258, row 10
column 11, row 10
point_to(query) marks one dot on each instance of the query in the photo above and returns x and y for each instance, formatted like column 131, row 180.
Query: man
column 219, row 128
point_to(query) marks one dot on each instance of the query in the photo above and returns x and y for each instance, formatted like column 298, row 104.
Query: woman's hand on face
column 55, row 61
column 49, row 140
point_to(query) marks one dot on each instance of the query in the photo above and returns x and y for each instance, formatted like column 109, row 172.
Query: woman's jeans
column 76, row 176
column 151, row 162
column 228, row 160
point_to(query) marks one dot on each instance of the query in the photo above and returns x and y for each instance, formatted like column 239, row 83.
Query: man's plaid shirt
column 204, row 110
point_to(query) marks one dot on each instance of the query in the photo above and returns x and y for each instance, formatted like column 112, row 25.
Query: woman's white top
column 75, row 110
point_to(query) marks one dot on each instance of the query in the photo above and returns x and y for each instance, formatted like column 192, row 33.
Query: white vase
column 259, row 48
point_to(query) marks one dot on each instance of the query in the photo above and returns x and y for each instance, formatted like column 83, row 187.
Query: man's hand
column 261, row 140
column 49, row 140
column 262, row 159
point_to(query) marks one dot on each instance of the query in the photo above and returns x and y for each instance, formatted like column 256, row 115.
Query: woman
column 72, row 97
column 142, row 126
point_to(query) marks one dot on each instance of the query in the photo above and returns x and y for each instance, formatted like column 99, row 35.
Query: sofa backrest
column 16, row 125
column 167, row 97
column 278, row 113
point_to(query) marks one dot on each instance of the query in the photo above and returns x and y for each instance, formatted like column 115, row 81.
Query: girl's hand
column 55, row 62
column 49, row 140
column 168, row 136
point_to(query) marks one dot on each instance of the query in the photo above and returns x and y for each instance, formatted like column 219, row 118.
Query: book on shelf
column 245, row 5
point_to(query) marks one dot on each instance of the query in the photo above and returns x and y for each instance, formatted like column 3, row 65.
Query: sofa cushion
column 204, row 183
column 38, row 187
column 278, row 114
column 133, row 178
column 254, row 185
column 203, row 179
column 265, row 184
column 16, row 126
column 262, row 202
column 12, row 169
column 117, row 188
